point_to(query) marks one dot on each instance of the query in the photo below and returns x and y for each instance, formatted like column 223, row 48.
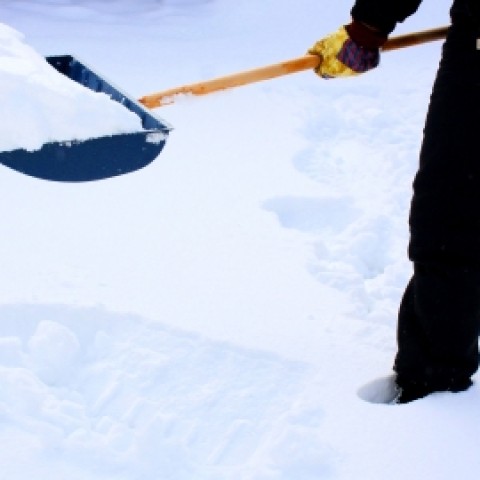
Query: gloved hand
column 351, row 50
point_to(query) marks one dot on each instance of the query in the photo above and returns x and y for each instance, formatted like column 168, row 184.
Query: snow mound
column 53, row 349
column 47, row 106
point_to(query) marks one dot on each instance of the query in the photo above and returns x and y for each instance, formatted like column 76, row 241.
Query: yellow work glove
column 351, row 50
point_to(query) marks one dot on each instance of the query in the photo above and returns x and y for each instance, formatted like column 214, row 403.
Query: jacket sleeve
column 384, row 14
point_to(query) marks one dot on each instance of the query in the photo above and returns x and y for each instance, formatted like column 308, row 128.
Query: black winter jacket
column 385, row 14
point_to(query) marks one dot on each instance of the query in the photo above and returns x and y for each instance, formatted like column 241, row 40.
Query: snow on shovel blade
column 96, row 158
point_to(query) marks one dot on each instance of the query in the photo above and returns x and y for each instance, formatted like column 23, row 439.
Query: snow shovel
column 107, row 157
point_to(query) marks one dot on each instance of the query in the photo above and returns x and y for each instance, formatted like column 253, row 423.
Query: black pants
column 439, row 317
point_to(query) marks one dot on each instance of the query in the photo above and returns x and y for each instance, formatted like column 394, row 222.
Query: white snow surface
column 228, row 311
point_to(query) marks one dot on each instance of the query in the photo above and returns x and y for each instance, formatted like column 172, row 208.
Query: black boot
column 410, row 391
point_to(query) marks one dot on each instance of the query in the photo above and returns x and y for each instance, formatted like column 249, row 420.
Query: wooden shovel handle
column 236, row 80
column 278, row 69
column 415, row 38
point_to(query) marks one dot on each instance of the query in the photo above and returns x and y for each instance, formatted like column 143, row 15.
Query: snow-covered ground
column 220, row 313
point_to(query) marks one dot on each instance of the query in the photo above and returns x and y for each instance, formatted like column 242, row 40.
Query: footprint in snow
column 312, row 214
column 381, row 391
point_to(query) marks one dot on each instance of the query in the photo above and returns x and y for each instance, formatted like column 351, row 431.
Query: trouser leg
column 439, row 316
column 438, row 327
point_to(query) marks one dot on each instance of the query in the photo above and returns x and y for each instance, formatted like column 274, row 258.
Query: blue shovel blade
column 96, row 158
